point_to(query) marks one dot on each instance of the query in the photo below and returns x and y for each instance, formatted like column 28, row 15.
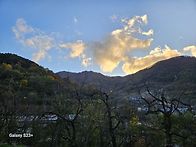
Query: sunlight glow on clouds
column 138, row 63
column 149, row 33
column 113, row 50
column 191, row 49
column 77, row 48
column 117, row 47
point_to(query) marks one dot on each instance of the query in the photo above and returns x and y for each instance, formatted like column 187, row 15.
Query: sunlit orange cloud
column 136, row 64
column 108, row 53
column 113, row 50
column 77, row 48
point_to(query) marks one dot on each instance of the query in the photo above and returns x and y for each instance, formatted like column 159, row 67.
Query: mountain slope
column 27, row 81
column 175, row 74
column 25, row 86
column 92, row 78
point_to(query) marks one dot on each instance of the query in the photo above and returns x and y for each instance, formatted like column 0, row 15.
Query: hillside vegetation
column 92, row 110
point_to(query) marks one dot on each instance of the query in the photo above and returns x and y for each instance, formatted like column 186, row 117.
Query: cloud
column 134, row 24
column 33, row 38
column 149, row 33
column 85, row 61
column 138, row 63
column 21, row 28
column 77, row 48
column 117, row 47
column 114, row 49
column 42, row 42
column 41, row 54
column 191, row 49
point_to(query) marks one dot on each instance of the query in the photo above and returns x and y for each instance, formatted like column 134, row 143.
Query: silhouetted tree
column 167, row 107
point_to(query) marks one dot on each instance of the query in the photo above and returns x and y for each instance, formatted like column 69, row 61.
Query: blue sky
column 84, row 31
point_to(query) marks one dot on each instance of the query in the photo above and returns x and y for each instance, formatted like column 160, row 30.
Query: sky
column 113, row 37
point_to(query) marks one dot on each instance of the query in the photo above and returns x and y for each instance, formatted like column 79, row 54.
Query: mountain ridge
column 173, row 74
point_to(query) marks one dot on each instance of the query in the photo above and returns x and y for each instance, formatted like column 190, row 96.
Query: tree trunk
column 168, row 125
column 111, row 130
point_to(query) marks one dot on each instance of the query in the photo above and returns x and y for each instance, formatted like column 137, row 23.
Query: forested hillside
column 24, row 82
column 173, row 75
column 47, row 110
